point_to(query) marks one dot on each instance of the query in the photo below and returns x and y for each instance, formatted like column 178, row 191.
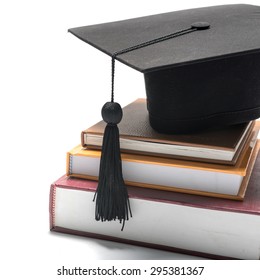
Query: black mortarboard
column 195, row 81
column 201, row 70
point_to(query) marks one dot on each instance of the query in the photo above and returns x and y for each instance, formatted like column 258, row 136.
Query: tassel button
column 112, row 113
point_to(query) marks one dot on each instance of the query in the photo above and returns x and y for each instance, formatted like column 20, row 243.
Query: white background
column 52, row 87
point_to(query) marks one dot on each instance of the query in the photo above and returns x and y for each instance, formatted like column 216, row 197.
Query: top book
column 137, row 136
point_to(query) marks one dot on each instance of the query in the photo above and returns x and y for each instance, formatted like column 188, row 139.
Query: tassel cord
column 142, row 45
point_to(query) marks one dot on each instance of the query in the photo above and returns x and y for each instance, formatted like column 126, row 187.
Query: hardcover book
column 136, row 136
column 171, row 174
column 205, row 226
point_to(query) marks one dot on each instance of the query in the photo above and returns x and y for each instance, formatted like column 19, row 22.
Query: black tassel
column 112, row 201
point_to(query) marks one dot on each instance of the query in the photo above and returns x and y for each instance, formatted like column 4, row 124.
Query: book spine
column 82, row 137
column 68, row 164
column 52, row 205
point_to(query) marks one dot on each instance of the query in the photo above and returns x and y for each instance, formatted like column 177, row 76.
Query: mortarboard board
column 194, row 80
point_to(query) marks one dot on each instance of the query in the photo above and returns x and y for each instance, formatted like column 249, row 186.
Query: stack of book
column 198, row 193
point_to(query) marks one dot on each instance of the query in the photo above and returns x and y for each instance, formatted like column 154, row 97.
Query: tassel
column 112, row 201
column 111, row 196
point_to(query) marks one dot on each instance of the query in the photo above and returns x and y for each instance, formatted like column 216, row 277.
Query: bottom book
column 204, row 226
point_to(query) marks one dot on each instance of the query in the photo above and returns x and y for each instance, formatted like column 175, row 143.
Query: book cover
column 171, row 174
column 136, row 136
column 206, row 226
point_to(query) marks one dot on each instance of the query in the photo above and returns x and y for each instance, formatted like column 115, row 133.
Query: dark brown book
column 136, row 136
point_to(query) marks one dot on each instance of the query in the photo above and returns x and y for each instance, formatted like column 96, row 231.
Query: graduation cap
column 201, row 69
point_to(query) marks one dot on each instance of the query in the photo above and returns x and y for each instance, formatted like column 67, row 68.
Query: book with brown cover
column 136, row 136
column 206, row 226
